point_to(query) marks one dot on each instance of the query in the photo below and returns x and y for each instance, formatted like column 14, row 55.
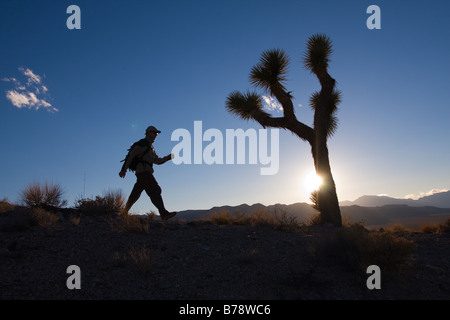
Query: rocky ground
column 197, row 261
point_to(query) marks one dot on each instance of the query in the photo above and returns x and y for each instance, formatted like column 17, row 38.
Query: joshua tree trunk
column 327, row 200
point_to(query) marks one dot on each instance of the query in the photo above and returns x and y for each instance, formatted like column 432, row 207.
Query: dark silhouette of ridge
column 373, row 211
column 439, row 200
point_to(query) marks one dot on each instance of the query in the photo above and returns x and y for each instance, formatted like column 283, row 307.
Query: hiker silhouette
column 140, row 159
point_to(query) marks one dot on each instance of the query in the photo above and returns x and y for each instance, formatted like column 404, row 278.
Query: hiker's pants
column 146, row 181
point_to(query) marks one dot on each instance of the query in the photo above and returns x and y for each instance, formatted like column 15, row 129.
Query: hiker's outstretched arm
column 163, row 160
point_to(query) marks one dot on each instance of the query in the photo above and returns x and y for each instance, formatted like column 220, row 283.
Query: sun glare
column 311, row 182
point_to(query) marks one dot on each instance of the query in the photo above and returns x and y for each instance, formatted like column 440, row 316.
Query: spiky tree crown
column 318, row 51
column 245, row 105
column 271, row 71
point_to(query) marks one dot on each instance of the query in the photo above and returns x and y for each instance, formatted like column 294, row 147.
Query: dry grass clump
column 74, row 219
column 399, row 228
column 431, row 228
column 355, row 248
column 279, row 220
column 6, row 206
column 43, row 218
column 436, row 228
column 132, row 223
column 46, row 195
column 111, row 203
column 142, row 258
column 445, row 227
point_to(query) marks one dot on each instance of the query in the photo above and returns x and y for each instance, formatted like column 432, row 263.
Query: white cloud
column 424, row 194
column 272, row 104
column 28, row 100
column 17, row 99
column 32, row 95
column 32, row 78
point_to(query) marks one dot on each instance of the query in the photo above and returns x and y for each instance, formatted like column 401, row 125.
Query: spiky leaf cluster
column 331, row 122
column 245, row 105
column 270, row 72
column 318, row 51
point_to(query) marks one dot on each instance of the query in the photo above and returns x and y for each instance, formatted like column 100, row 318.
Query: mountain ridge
column 439, row 200
column 374, row 211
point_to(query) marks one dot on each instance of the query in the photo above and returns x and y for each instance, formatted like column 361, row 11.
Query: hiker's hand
column 168, row 157
column 122, row 174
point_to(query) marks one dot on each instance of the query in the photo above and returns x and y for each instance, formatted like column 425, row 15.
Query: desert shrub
column 445, row 227
column 279, row 219
column 43, row 218
column 47, row 195
column 435, row 228
column 110, row 203
column 6, row 206
column 143, row 259
column 355, row 248
column 286, row 222
column 132, row 223
column 260, row 218
column 431, row 228
column 399, row 228
column 118, row 260
column 74, row 219
column 225, row 217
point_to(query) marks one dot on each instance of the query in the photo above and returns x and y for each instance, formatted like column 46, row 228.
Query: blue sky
column 90, row 93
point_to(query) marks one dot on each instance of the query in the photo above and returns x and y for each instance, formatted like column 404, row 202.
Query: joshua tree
column 270, row 75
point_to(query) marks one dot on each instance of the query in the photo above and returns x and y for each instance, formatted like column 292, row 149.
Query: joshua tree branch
column 303, row 131
column 285, row 100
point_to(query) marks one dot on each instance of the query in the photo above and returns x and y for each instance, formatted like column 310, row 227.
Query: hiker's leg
column 153, row 190
column 134, row 196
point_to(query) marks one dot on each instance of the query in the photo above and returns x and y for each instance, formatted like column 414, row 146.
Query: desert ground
column 200, row 260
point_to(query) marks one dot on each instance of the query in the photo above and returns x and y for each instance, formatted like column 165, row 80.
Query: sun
column 311, row 182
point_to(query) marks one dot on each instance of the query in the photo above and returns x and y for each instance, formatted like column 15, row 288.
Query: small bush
column 431, row 228
column 225, row 217
column 142, row 258
column 48, row 195
column 43, row 218
column 355, row 248
column 279, row 220
column 74, row 219
column 132, row 223
column 445, row 227
column 435, row 228
column 286, row 222
column 111, row 203
column 398, row 228
column 6, row 206
column 119, row 261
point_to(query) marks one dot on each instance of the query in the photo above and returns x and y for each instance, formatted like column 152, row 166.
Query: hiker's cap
column 152, row 129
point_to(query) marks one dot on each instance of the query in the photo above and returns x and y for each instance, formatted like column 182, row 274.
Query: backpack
column 137, row 159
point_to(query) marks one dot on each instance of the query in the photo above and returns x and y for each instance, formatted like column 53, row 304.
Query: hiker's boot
column 167, row 215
